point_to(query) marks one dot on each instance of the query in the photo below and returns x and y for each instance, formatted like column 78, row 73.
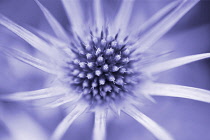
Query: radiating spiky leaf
column 68, row 120
column 99, row 130
column 28, row 36
column 170, row 64
column 152, row 126
column 163, row 26
column 34, row 95
column 170, row 90
column 75, row 15
column 124, row 15
column 28, row 59
column 56, row 26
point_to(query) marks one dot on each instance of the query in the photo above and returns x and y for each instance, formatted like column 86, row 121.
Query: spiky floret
column 101, row 69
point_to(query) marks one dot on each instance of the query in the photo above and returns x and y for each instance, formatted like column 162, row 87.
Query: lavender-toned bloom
column 102, row 65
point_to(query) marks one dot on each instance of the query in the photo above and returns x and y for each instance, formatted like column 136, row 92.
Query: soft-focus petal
column 99, row 130
column 158, row 89
column 75, row 15
column 56, row 26
column 34, row 95
column 68, row 120
column 170, row 64
column 31, row 38
column 24, row 57
column 152, row 126
column 163, row 26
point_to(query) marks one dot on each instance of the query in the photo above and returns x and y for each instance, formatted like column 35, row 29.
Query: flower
column 104, row 65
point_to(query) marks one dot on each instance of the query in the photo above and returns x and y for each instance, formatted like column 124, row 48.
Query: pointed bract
column 63, row 46
column 156, row 17
column 28, row 59
column 34, row 95
column 99, row 16
column 29, row 37
column 170, row 90
column 14, row 123
column 75, row 15
column 56, row 26
column 63, row 100
column 68, row 120
column 152, row 126
column 163, row 26
column 99, row 130
column 170, row 64
column 122, row 18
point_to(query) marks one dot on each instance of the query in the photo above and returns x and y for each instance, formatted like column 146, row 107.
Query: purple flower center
column 101, row 69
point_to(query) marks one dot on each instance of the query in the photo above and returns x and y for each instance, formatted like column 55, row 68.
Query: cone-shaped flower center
column 101, row 70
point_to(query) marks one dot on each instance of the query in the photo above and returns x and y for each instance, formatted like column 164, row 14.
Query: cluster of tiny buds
column 101, row 69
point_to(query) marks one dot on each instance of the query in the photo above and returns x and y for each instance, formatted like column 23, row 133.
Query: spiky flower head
column 104, row 65
column 102, row 70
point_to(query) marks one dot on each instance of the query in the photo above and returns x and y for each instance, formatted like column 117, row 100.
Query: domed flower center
column 101, row 70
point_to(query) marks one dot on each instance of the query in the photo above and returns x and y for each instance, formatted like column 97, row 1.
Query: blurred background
column 184, row 119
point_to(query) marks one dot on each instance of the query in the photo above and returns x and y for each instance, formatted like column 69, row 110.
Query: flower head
column 104, row 65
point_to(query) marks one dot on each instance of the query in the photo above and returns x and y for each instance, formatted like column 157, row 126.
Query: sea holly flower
column 103, row 65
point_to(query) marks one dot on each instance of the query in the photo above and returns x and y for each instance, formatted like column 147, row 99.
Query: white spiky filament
column 101, row 69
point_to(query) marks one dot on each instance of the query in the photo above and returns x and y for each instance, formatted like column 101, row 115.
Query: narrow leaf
column 21, row 126
column 56, row 26
column 98, row 11
column 28, row 59
column 34, row 95
column 99, row 131
column 75, row 15
column 170, row 64
column 68, row 120
column 163, row 26
column 123, row 16
column 149, row 124
column 158, row 89
column 63, row 46
column 157, row 17
column 29, row 37
column 63, row 100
